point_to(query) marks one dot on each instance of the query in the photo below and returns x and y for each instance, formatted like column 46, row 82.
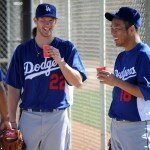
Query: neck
column 43, row 40
column 132, row 43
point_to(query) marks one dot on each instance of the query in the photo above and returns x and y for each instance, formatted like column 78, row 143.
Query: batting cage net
column 10, row 29
column 82, row 22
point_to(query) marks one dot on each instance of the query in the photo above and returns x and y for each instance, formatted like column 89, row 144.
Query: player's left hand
column 54, row 52
column 5, row 124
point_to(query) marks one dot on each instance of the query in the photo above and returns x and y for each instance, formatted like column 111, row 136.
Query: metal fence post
column 102, row 87
column 147, row 24
column 27, row 19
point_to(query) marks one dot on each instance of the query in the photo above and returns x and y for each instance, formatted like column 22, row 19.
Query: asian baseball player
column 130, row 107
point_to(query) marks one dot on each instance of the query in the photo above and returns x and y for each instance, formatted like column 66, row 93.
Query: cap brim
column 47, row 15
column 110, row 16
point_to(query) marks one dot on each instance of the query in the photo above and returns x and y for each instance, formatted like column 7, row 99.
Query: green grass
column 87, row 107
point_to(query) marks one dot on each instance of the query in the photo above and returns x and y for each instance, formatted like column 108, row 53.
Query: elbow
column 77, row 82
column 78, row 85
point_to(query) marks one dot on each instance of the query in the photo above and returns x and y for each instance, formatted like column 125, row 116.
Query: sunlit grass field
column 87, row 108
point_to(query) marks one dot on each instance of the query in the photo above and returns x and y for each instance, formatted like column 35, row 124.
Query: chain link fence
column 79, row 21
column 10, row 29
column 3, row 35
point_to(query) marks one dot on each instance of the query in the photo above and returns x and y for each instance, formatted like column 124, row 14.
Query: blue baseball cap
column 126, row 14
column 45, row 10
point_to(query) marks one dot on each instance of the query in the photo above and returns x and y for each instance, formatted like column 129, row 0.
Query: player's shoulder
column 144, row 49
column 141, row 49
column 63, row 42
column 22, row 46
column 143, row 53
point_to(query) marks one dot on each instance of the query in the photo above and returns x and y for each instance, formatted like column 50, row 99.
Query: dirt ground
column 85, row 137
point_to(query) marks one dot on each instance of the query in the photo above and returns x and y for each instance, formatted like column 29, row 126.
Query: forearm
column 3, row 104
column 108, row 78
column 13, row 99
column 72, row 76
column 130, row 88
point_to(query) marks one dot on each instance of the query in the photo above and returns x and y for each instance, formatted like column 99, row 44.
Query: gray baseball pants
column 45, row 130
column 127, row 135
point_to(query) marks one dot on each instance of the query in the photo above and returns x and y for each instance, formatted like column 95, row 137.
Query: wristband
column 62, row 60
column 13, row 122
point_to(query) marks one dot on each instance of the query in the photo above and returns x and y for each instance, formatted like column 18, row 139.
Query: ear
column 132, row 30
column 55, row 21
column 35, row 20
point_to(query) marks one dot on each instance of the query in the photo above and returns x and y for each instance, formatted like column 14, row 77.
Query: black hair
column 34, row 30
column 129, row 24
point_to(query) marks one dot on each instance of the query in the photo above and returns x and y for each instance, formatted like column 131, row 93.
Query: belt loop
column 29, row 110
column 44, row 110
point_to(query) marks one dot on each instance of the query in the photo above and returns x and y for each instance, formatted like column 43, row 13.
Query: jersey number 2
column 57, row 82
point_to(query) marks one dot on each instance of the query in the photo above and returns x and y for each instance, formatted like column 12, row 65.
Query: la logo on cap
column 45, row 10
column 48, row 8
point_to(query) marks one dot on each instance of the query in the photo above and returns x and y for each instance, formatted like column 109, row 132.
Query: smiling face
column 120, row 33
column 45, row 26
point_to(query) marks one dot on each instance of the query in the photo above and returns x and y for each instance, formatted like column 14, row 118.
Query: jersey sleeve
column 143, row 74
column 15, row 70
column 74, row 61
column 0, row 75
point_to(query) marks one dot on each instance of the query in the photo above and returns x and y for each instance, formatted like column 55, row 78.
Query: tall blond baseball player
column 42, row 84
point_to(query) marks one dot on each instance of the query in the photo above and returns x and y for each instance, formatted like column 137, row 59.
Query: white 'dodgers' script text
column 31, row 70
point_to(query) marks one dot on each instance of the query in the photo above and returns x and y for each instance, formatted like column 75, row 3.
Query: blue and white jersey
column 1, row 78
column 40, row 79
column 134, row 67
column 2, row 75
